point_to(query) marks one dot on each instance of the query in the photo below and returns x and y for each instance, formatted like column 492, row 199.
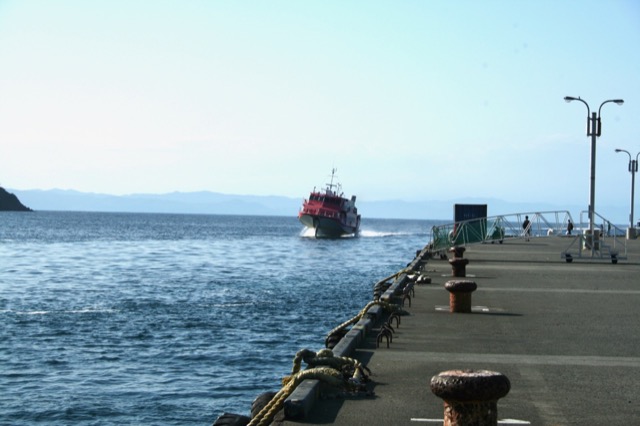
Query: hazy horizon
column 210, row 202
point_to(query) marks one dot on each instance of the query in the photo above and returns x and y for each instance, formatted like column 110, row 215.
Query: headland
column 9, row 202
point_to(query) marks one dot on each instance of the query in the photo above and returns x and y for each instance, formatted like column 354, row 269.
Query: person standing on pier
column 569, row 227
column 526, row 225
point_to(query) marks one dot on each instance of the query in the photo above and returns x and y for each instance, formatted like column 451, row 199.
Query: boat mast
column 331, row 185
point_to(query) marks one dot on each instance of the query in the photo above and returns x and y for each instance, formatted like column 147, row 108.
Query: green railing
column 497, row 228
column 608, row 241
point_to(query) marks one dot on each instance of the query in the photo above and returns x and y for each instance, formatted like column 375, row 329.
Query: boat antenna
column 331, row 185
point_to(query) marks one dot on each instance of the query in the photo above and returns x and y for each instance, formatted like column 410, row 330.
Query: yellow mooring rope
column 326, row 358
column 389, row 307
column 326, row 374
column 332, row 368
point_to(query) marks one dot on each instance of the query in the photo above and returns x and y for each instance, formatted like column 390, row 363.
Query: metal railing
column 497, row 228
column 606, row 243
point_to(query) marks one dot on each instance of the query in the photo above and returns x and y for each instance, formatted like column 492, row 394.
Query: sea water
column 110, row 318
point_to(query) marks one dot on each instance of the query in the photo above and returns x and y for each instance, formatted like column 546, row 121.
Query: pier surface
column 567, row 335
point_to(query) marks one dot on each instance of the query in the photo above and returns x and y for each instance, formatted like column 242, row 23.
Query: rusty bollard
column 460, row 295
column 458, row 267
column 470, row 396
column 458, row 251
column 458, row 263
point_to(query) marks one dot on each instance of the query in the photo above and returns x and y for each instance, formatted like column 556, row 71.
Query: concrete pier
column 567, row 335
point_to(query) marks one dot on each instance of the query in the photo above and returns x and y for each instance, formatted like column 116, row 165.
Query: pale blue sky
column 412, row 100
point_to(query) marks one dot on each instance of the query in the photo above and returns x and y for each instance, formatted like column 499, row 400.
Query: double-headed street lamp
column 594, row 129
column 633, row 168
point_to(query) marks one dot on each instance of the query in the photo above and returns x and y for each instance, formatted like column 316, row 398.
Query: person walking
column 526, row 225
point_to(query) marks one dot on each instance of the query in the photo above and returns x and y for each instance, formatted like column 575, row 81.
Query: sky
column 409, row 100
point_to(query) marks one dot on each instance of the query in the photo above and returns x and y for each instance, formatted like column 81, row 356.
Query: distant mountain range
column 206, row 202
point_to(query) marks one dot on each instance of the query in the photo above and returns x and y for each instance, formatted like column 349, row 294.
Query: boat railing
column 321, row 212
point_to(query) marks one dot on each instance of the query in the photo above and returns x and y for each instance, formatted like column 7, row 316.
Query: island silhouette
column 9, row 202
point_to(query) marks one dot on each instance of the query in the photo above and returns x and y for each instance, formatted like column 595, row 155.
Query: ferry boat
column 329, row 212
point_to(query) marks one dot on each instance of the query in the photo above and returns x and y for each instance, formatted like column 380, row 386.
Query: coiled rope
column 332, row 375
column 349, row 366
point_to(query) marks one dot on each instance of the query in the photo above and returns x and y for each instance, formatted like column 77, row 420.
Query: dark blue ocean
column 110, row 318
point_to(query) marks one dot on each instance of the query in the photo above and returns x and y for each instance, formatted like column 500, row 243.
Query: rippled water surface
column 171, row 319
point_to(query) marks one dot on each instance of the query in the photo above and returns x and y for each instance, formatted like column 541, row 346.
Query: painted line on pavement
column 548, row 290
column 569, row 360
column 500, row 422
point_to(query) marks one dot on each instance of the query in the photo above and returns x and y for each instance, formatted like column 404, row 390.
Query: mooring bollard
column 458, row 264
column 460, row 295
column 458, row 251
column 470, row 396
column 458, row 267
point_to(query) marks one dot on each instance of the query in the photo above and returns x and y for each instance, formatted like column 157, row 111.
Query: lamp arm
column 571, row 98
column 617, row 101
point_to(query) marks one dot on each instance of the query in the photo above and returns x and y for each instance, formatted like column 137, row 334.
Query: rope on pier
column 341, row 372
column 349, row 366
column 338, row 372
column 389, row 307
column 334, row 336
column 394, row 276
column 381, row 286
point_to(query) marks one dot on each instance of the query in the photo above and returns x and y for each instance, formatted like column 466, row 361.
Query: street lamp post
column 594, row 129
column 633, row 168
